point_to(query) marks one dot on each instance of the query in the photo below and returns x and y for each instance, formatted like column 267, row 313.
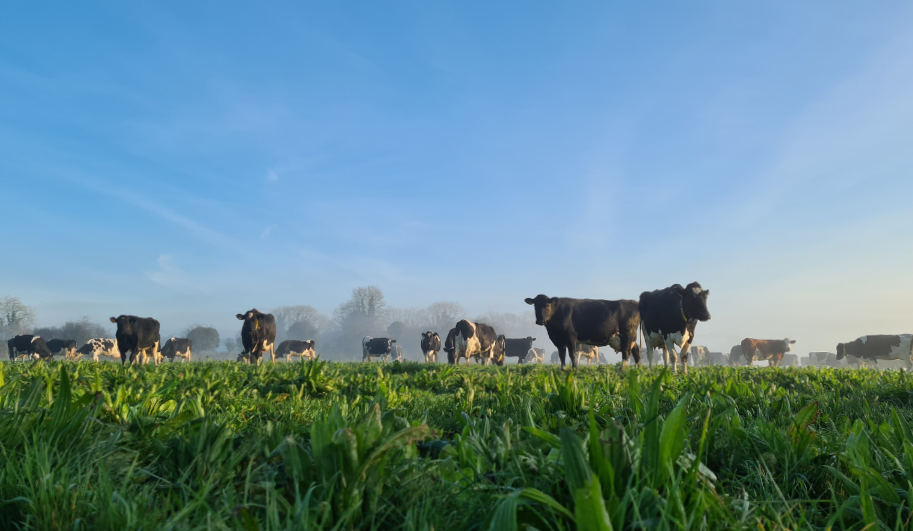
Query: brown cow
column 771, row 350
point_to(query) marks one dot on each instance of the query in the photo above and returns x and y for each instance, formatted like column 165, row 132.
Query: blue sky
column 193, row 160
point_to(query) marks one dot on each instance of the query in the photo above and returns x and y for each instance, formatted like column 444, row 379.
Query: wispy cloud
column 168, row 274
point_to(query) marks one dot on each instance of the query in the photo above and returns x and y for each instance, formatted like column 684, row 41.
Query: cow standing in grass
column 870, row 349
column 770, row 350
column 258, row 335
column 100, row 346
column 139, row 336
column 448, row 346
column 669, row 317
column 474, row 340
column 431, row 344
column 293, row 347
column 518, row 347
column 67, row 346
column 376, row 347
column 570, row 322
column 177, row 347
column 28, row 346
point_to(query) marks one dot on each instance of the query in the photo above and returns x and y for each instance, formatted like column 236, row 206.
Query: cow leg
column 670, row 354
column 686, row 348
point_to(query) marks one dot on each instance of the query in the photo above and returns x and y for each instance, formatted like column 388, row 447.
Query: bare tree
column 302, row 319
column 80, row 331
column 443, row 315
column 15, row 318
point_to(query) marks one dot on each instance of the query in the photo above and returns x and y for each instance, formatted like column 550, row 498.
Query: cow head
column 841, row 351
column 787, row 342
column 427, row 335
column 253, row 318
column 124, row 323
column 545, row 308
column 499, row 349
column 694, row 301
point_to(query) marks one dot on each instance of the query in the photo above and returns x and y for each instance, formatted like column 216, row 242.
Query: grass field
column 414, row 446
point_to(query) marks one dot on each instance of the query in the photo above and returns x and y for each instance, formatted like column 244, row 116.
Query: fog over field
column 191, row 162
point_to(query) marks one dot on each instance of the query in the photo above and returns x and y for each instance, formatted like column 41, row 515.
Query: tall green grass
column 412, row 446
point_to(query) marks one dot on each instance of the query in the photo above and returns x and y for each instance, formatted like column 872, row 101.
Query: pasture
column 414, row 446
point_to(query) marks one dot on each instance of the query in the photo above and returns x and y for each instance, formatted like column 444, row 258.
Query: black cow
column 258, row 335
column 137, row 335
column 669, row 317
column 449, row 346
column 27, row 345
column 518, row 348
column 591, row 322
column 177, row 347
column 66, row 345
column 431, row 344
column 475, row 340
column 376, row 346
column 879, row 347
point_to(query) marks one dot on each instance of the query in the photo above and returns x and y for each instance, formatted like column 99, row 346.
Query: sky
column 193, row 160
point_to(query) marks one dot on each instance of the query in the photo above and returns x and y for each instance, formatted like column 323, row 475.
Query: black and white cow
column 590, row 352
column 700, row 355
column 138, row 335
column 177, row 347
column 879, row 347
column 100, row 347
column 536, row 355
column 570, row 322
column 474, row 340
column 431, row 344
column 28, row 346
column 449, row 346
column 669, row 317
column 376, row 347
column 518, row 348
column 67, row 346
column 258, row 335
column 293, row 347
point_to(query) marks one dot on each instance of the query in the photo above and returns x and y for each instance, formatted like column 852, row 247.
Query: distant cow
column 570, row 322
column 137, row 335
column 771, row 350
column 669, row 317
column 177, row 347
column 258, row 335
column 100, row 347
column 590, row 352
column 397, row 353
column 535, row 355
column 431, row 344
column 717, row 358
column 293, row 347
column 879, row 347
column 449, row 346
column 28, row 346
column 474, row 340
column 735, row 355
column 379, row 347
column 700, row 355
column 67, row 346
column 790, row 360
column 518, row 348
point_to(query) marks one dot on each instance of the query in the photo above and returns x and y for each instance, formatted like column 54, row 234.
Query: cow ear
column 240, row 317
column 529, row 301
column 113, row 320
column 553, row 300
column 791, row 341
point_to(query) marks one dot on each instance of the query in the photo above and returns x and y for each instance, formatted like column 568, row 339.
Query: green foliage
column 322, row 445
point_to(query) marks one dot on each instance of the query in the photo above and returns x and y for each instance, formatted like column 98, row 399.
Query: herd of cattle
column 664, row 318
